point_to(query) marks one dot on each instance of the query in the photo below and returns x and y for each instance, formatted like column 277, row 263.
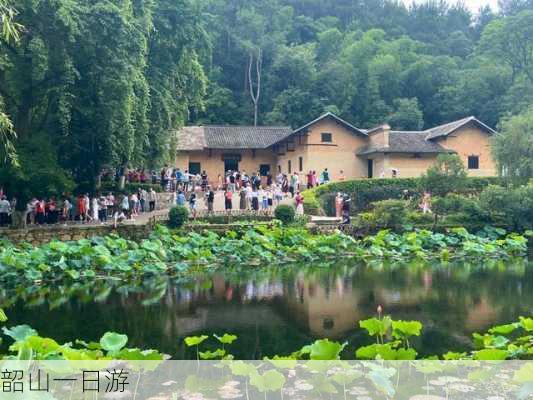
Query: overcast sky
column 473, row 4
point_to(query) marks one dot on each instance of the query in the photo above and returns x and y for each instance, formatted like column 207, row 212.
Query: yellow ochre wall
column 338, row 155
column 213, row 163
column 407, row 165
column 472, row 141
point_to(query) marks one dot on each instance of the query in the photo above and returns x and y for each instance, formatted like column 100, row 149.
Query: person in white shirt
column 152, row 197
column 87, row 202
column 95, row 207
column 5, row 209
column 144, row 200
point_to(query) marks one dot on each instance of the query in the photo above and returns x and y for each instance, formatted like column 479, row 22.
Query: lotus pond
column 275, row 310
column 275, row 288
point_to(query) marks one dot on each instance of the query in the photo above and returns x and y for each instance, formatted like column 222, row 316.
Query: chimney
column 386, row 134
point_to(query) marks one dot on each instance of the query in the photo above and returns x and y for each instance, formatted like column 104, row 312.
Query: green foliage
column 270, row 381
column 512, row 147
column 322, row 349
column 195, row 340
column 511, row 206
column 391, row 213
column 108, row 81
column 284, row 213
column 106, row 84
column 407, row 115
column 446, row 176
column 178, row 216
column 364, row 192
column 28, row 345
column 169, row 253
column 232, row 218
column 113, row 342
column 226, row 338
column 38, row 172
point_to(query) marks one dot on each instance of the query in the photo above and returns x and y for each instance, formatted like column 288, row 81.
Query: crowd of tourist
column 84, row 208
column 254, row 192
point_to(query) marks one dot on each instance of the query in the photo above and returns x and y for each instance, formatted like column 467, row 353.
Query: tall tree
column 513, row 147
column 510, row 40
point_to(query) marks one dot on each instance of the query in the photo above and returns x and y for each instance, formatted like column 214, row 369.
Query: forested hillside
column 90, row 84
column 369, row 61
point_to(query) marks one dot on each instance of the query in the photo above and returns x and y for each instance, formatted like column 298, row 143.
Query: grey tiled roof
column 191, row 138
column 422, row 141
column 231, row 137
column 446, row 129
column 244, row 137
column 406, row 142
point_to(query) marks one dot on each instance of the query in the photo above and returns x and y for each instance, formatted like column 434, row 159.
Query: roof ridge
column 465, row 119
column 248, row 126
column 334, row 116
column 397, row 131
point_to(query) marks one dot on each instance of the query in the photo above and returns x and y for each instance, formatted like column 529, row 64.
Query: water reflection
column 276, row 310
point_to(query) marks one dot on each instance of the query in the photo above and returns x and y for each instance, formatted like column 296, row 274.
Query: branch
column 250, row 77
column 258, row 64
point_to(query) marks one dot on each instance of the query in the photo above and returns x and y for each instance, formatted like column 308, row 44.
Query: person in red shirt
column 228, row 196
column 310, row 180
column 40, row 212
column 80, row 203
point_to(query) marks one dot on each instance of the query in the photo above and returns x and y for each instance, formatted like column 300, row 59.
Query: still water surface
column 277, row 310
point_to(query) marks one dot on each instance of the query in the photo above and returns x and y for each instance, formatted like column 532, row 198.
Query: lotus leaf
column 226, row 338
column 113, row 342
column 195, row 340
column 270, row 381
column 490, row 354
column 19, row 333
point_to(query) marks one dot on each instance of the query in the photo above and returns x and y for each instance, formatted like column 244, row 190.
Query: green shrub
column 285, row 214
column 510, row 206
column 232, row 218
column 446, row 176
column 312, row 203
column 418, row 218
column 391, row 213
column 364, row 192
column 177, row 216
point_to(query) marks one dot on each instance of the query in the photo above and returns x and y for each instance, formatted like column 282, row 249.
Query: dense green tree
column 106, row 82
column 510, row 40
column 407, row 115
column 513, row 147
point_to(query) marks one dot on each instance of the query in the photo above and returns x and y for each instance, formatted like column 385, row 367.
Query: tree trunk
column 255, row 94
column 122, row 178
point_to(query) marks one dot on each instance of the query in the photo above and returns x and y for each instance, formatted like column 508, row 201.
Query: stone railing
column 37, row 235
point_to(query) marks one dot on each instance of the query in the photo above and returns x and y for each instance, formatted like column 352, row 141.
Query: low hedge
column 364, row 192
column 232, row 218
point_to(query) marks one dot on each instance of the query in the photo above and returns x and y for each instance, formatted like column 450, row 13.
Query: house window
column 326, row 137
column 264, row 169
column 289, row 167
column 194, row 168
column 300, row 164
column 473, row 162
